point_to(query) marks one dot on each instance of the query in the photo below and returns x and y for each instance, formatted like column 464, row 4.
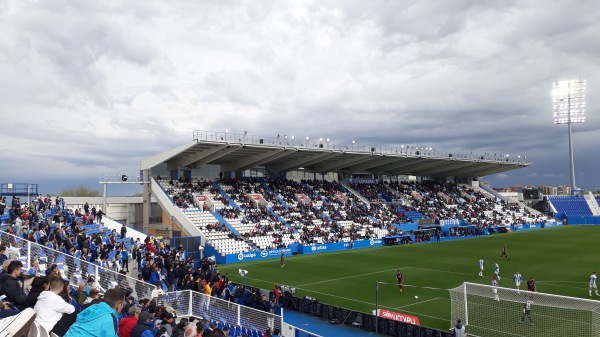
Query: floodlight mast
column 569, row 108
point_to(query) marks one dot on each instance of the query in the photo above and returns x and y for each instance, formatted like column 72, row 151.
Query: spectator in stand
column 155, row 276
column 144, row 327
column 126, row 324
column 100, row 320
column 7, row 310
column 123, row 231
column 98, row 218
column 3, row 256
column 125, row 260
column 38, row 285
column 50, row 307
column 81, row 295
column 192, row 331
column 10, row 285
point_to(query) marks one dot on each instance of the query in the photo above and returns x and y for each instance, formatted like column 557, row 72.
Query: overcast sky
column 93, row 87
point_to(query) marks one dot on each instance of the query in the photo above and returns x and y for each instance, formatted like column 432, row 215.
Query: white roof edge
column 160, row 158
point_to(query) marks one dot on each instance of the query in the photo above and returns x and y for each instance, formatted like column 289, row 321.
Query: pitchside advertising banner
column 536, row 226
column 397, row 316
column 332, row 247
column 257, row 255
column 303, row 249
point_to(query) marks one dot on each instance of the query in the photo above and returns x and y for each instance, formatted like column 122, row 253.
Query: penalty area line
column 420, row 302
column 346, row 277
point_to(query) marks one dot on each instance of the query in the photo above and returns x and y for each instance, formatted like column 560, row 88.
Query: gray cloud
column 94, row 87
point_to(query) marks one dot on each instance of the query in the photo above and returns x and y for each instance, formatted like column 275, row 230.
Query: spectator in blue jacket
column 155, row 276
column 125, row 260
column 102, row 319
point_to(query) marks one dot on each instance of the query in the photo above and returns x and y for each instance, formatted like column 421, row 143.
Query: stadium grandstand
column 237, row 198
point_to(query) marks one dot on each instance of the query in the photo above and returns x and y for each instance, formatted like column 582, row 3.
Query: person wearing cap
column 143, row 328
column 126, row 324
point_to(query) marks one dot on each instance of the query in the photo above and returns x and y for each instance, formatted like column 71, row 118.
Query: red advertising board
column 397, row 316
column 201, row 198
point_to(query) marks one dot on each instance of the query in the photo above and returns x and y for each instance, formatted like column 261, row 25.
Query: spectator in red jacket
column 127, row 323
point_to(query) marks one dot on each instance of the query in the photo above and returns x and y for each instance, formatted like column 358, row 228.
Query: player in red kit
column 531, row 287
column 503, row 253
column 400, row 279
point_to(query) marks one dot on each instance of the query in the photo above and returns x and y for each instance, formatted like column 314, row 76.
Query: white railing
column 72, row 268
column 173, row 210
column 192, row 303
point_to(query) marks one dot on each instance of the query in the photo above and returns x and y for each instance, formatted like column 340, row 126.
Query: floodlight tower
column 569, row 108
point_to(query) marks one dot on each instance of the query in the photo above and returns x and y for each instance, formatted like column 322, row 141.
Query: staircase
column 592, row 203
column 355, row 192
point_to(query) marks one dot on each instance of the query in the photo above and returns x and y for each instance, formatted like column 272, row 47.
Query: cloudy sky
column 92, row 87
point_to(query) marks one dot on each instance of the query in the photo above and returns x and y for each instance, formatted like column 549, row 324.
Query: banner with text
column 332, row 247
column 397, row 316
column 256, row 255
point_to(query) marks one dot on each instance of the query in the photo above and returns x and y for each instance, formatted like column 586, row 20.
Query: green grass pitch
column 560, row 260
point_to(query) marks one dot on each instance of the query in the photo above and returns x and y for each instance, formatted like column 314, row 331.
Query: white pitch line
column 382, row 271
column 346, row 277
column 353, row 300
column 342, row 297
column 420, row 302
column 559, row 285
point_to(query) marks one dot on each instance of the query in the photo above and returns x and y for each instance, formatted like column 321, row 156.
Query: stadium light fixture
column 569, row 108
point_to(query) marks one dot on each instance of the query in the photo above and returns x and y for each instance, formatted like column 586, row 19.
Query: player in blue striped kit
column 497, row 270
column 593, row 285
column 518, row 279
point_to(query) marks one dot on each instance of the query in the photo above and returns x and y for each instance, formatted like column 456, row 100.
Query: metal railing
column 72, row 268
column 192, row 303
column 321, row 143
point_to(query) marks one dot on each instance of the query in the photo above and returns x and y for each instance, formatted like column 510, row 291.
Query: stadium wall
column 340, row 246
column 583, row 220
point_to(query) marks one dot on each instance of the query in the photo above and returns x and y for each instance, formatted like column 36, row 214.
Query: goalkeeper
column 527, row 313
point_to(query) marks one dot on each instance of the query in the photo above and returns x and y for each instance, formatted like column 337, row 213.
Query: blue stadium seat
column 570, row 205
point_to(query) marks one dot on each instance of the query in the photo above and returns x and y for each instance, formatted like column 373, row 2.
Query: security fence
column 192, row 303
column 72, row 267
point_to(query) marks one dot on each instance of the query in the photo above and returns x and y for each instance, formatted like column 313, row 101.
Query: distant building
column 127, row 210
